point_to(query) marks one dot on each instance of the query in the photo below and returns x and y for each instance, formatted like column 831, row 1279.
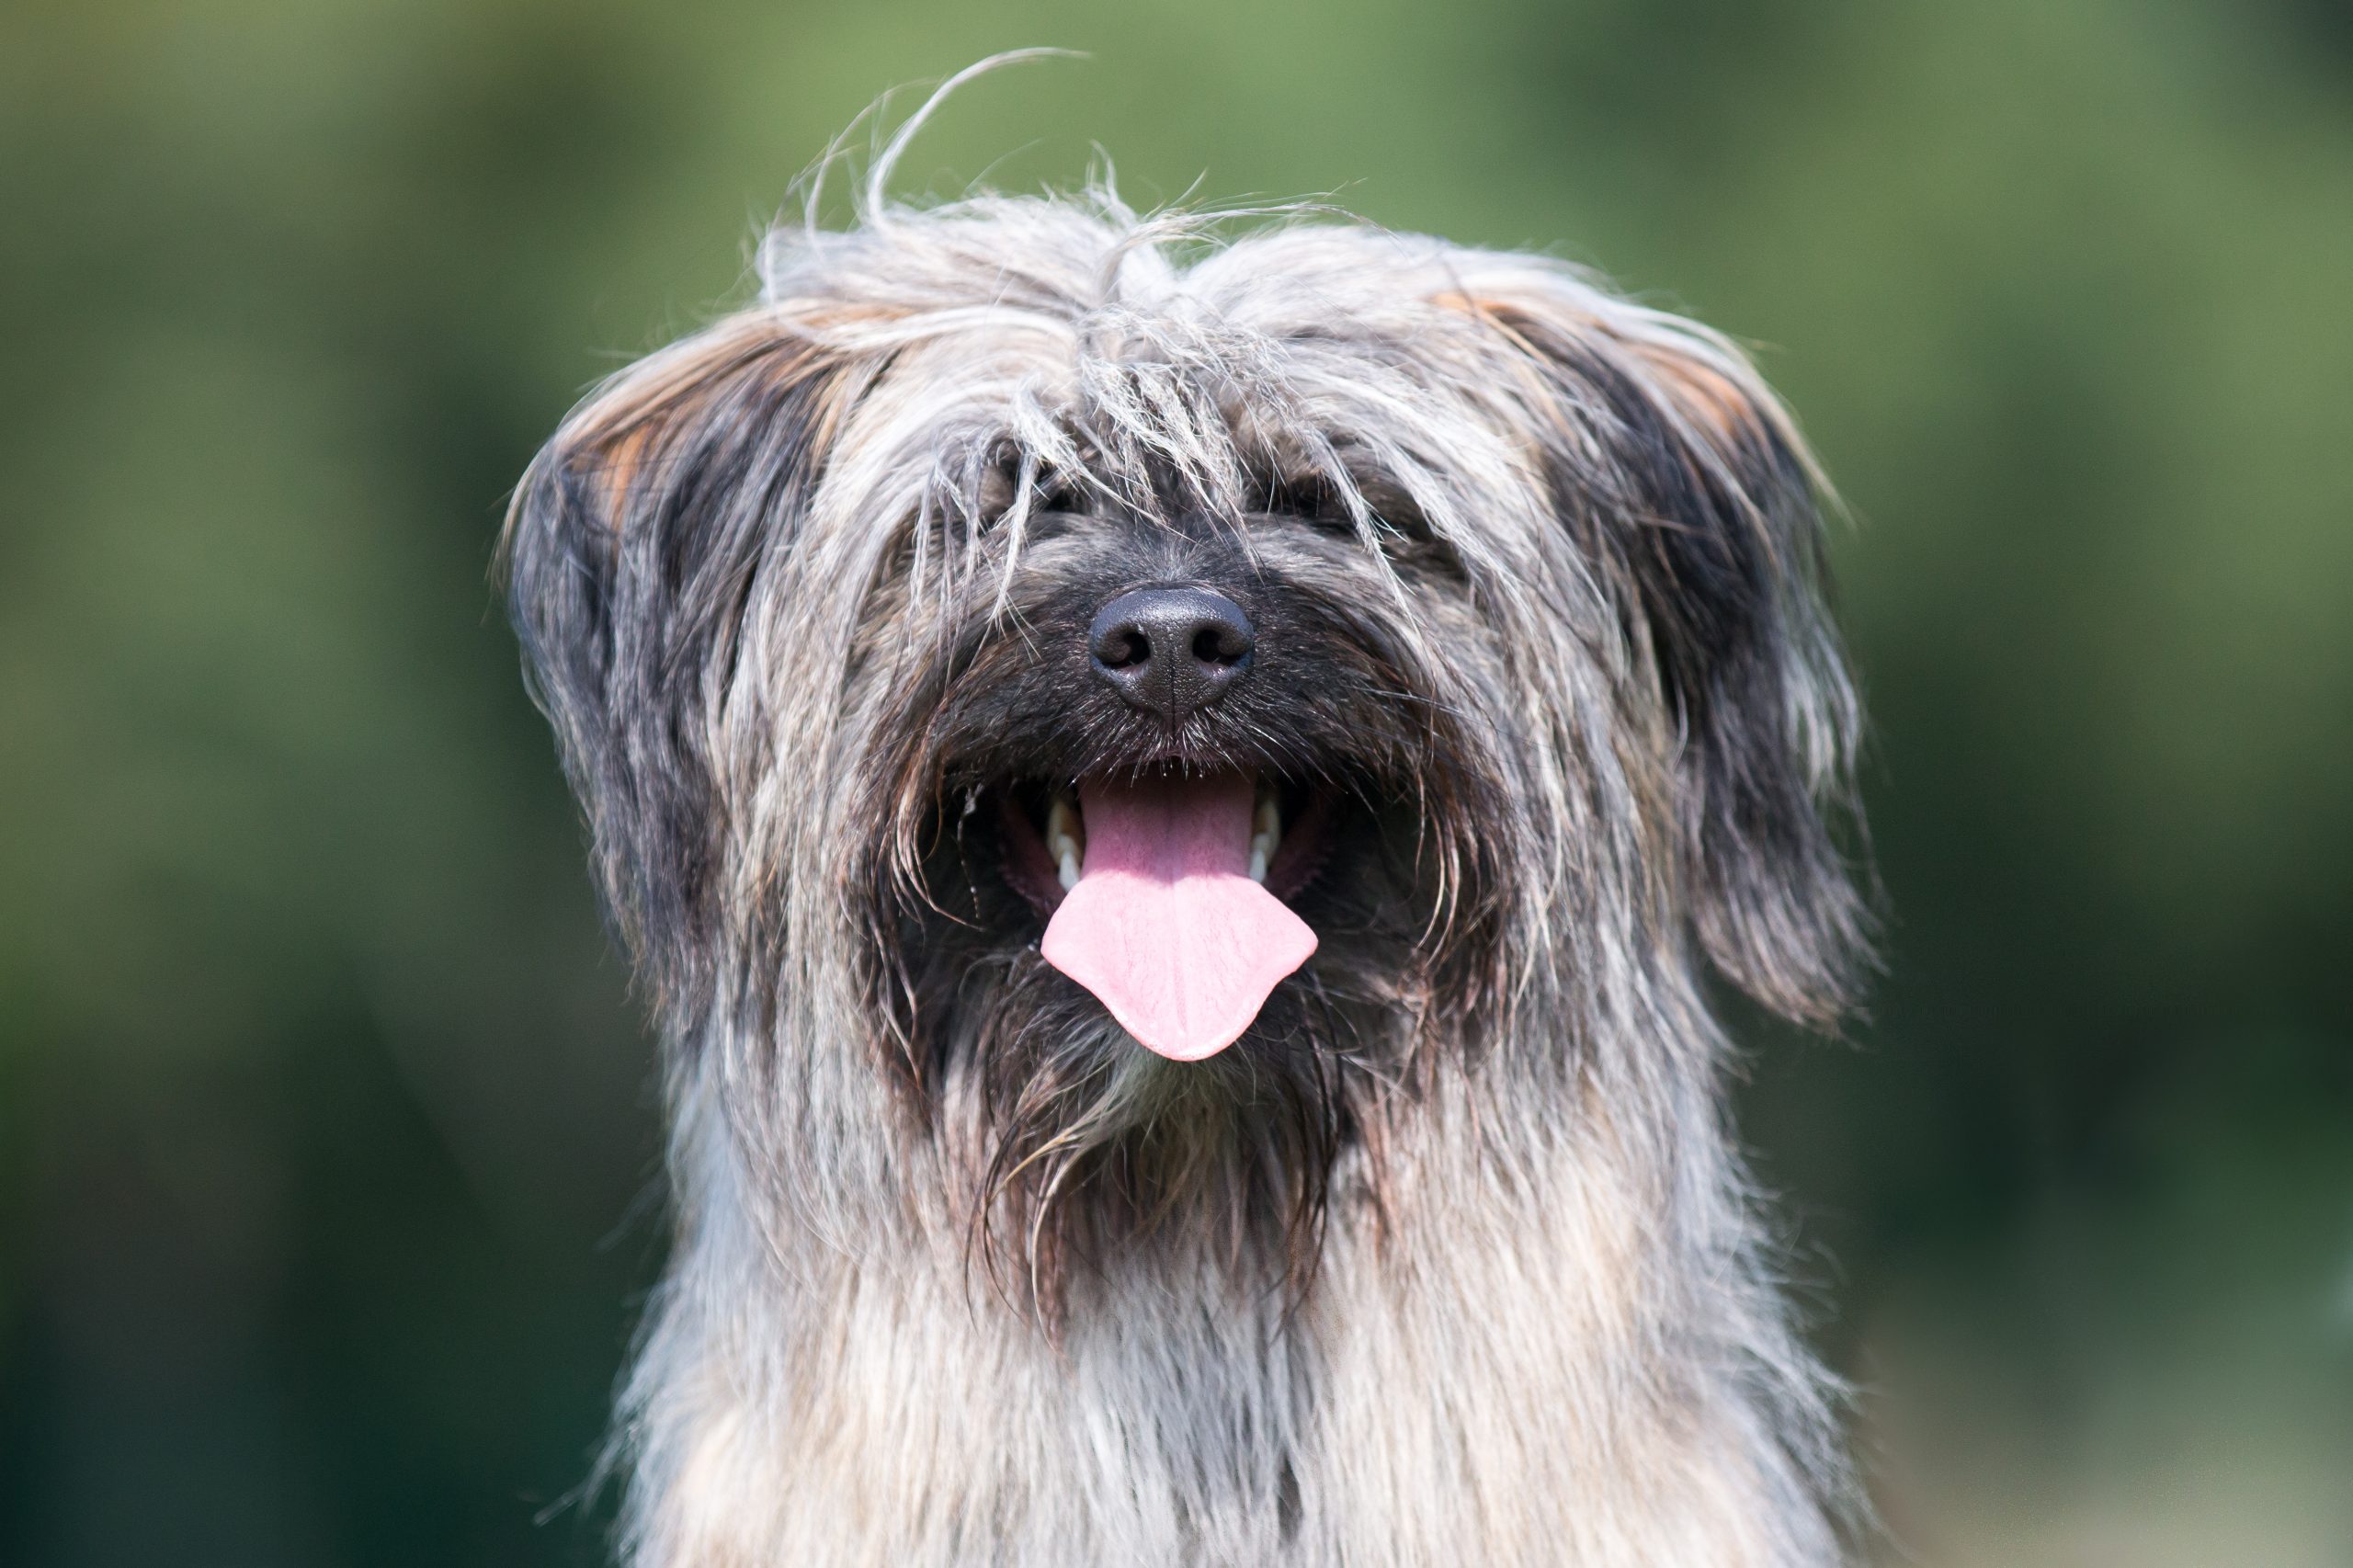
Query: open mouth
column 1165, row 895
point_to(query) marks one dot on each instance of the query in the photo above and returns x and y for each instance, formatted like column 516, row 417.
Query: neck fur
column 1532, row 1359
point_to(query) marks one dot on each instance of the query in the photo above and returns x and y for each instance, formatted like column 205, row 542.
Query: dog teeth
column 1266, row 832
column 1065, row 840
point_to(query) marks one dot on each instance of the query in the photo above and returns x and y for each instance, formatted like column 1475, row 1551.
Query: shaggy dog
column 1175, row 794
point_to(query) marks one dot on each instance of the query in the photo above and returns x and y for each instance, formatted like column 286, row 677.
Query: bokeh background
column 326, row 1134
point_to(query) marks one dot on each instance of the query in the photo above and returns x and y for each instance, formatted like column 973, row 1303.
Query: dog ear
column 1690, row 490
column 630, row 553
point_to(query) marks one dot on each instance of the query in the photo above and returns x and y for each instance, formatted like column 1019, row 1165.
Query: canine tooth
column 1266, row 832
column 1062, row 841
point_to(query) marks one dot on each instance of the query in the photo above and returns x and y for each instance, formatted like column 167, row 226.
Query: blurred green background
column 325, row 1134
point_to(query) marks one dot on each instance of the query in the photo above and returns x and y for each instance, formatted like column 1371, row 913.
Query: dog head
column 1157, row 703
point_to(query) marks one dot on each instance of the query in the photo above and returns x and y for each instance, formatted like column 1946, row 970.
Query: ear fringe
column 1713, row 546
column 629, row 553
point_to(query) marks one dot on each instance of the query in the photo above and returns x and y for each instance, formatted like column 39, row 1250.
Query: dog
column 1179, row 790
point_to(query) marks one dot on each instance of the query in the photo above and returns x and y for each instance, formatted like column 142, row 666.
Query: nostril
column 1124, row 648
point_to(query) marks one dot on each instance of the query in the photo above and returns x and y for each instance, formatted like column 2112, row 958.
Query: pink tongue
column 1165, row 926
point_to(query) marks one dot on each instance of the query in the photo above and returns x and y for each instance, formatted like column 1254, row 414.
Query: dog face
column 1158, row 718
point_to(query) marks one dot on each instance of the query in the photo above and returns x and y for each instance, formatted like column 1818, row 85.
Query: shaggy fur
column 1450, row 1259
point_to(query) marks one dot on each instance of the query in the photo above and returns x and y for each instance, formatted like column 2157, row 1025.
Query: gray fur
column 1462, row 1268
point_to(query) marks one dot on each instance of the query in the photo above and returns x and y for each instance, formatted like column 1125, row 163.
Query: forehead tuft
column 1067, row 332
column 1115, row 282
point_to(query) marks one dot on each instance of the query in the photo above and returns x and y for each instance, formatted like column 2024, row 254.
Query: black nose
column 1171, row 651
